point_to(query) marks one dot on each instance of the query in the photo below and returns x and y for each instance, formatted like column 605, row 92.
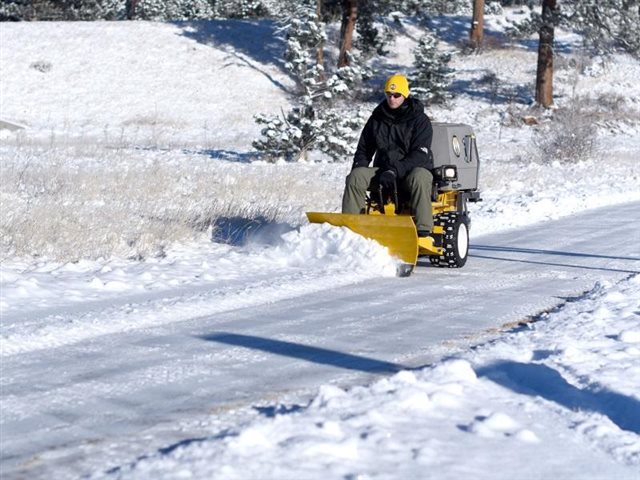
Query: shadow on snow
column 232, row 156
column 490, row 248
column 273, row 411
column 545, row 382
column 307, row 353
column 256, row 43
column 248, row 42
column 494, row 90
column 454, row 29
column 238, row 231
column 550, row 252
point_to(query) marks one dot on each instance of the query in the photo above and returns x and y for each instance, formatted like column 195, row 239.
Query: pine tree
column 14, row 10
column 245, row 8
column 314, row 123
column 606, row 25
column 106, row 9
column 62, row 10
column 95, row 9
column 434, row 7
column 377, row 20
column 375, row 33
column 173, row 9
column 431, row 77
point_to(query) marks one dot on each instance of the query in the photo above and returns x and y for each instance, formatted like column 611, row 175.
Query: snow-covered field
column 137, row 134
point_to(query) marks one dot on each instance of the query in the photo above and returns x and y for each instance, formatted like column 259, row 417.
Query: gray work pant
column 418, row 183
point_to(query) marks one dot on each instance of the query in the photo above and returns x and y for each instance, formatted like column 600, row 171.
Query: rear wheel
column 455, row 240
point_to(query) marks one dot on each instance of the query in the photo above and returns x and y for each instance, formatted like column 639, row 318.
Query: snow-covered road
column 105, row 400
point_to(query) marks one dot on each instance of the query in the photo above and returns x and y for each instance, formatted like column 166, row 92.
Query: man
column 398, row 136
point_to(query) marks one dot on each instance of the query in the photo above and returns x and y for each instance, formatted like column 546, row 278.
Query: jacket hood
column 410, row 108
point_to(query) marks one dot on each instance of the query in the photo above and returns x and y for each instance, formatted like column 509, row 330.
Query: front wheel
column 455, row 240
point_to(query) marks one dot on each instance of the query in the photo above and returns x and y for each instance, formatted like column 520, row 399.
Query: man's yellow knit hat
column 397, row 83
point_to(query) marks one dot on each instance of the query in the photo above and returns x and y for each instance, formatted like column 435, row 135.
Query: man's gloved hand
column 387, row 179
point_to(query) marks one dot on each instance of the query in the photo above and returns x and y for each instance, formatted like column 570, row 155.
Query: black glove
column 387, row 179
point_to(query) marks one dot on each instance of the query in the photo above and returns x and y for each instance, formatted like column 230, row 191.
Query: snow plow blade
column 396, row 232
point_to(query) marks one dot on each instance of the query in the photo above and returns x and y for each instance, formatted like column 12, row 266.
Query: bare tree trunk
column 349, row 16
column 320, row 49
column 476, row 34
column 544, row 75
column 130, row 7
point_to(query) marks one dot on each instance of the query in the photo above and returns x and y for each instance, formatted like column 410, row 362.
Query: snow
column 556, row 398
column 312, row 259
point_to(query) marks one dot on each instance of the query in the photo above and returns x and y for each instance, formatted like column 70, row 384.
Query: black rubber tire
column 455, row 240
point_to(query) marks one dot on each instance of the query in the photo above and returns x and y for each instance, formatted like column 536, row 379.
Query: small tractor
column 387, row 219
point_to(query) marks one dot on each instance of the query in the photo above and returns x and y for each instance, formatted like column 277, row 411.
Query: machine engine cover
column 455, row 144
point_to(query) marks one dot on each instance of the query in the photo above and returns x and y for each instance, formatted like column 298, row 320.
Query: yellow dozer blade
column 396, row 232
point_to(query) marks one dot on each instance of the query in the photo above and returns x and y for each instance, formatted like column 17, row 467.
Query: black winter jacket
column 400, row 138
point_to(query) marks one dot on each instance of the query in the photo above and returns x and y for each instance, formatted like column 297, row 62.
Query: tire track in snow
column 316, row 258
column 63, row 329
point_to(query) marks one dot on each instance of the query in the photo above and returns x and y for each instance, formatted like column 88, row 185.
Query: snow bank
column 312, row 259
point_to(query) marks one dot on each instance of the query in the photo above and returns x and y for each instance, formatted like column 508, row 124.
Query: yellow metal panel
column 427, row 247
column 396, row 232
column 446, row 202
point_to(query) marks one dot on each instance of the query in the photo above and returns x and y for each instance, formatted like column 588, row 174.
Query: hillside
column 131, row 101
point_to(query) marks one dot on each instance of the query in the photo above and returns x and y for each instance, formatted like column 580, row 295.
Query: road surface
column 103, row 402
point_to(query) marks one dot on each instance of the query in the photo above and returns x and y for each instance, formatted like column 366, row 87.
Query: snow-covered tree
column 106, row 9
column 315, row 122
column 303, row 129
column 375, row 34
column 95, row 9
column 304, row 33
column 606, row 25
column 13, row 10
column 431, row 76
column 173, row 9
column 243, row 8
column 62, row 10
column 378, row 20
column 434, row 7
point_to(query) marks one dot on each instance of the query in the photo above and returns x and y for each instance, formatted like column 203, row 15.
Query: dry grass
column 569, row 137
column 63, row 205
column 570, row 134
column 139, row 131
